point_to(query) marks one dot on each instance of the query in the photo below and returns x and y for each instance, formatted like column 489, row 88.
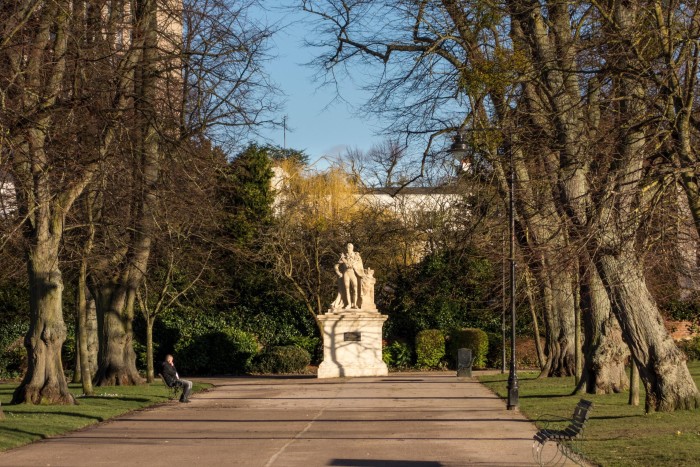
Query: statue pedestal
column 352, row 344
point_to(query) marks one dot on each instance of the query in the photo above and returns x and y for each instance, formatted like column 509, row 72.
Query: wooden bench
column 566, row 439
column 173, row 390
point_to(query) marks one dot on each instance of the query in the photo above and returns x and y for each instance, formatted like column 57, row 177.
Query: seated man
column 173, row 379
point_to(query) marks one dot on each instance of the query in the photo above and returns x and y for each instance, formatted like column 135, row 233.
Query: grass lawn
column 26, row 423
column 617, row 434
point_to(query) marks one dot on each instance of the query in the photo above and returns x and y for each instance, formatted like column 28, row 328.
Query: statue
column 352, row 326
column 355, row 284
column 367, row 287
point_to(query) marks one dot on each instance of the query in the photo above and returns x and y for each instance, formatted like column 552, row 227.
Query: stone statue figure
column 367, row 288
column 355, row 284
column 349, row 269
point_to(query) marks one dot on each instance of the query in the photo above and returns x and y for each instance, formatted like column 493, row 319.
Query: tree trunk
column 662, row 366
column 634, row 384
column 91, row 333
column 605, row 351
column 690, row 182
column 77, row 375
column 578, row 370
column 44, row 381
column 82, row 354
column 548, row 320
column 549, row 244
column 43, row 206
column 118, row 360
column 541, row 359
column 150, row 373
column 687, row 247
column 560, row 339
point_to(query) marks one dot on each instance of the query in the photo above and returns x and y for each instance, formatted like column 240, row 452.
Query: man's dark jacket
column 170, row 374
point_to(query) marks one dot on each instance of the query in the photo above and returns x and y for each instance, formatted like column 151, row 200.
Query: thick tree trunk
column 605, row 352
column 687, row 247
column 662, row 366
column 40, row 203
column 44, row 381
column 117, row 360
column 560, row 338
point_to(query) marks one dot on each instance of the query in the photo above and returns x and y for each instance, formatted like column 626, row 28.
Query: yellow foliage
column 318, row 199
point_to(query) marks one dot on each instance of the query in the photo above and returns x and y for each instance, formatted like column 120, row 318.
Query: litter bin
column 464, row 363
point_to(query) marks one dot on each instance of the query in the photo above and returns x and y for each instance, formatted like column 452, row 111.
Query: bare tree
column 37, row 94
column 169, row 289
column 199, row 77
column 524, row 68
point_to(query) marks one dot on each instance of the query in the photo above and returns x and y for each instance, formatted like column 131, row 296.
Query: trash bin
column 464, row 363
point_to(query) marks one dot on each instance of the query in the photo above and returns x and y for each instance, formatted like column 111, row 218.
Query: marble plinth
column 352, row 344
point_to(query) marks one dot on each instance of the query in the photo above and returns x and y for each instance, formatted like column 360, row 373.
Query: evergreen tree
column 248, row 194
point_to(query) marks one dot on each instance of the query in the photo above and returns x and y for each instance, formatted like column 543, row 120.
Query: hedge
column 229, row 351
column 281, row 359
column 430, row 348
column 470, row 338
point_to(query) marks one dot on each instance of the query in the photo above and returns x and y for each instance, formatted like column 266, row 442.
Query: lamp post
column 513, row 389
column 460, row 149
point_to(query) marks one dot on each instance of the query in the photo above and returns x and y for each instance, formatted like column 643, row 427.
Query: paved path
column 411, row 420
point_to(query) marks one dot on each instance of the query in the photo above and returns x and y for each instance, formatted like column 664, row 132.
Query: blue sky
column 317, row 121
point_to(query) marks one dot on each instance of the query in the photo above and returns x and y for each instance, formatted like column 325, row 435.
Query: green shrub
column 430, row 348
column 313, row 345
column 691, row 348
column 282, row 359
column 470, row 338
column 398, row 355
column 13, row 359
column 688, row 310
column 14, row 324
column 13, row 355
column 229, row 351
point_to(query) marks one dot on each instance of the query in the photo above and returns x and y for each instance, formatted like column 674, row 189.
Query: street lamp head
column 462, row 152
column 459, row 147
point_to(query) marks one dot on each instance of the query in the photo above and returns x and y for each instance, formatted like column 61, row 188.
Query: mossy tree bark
column 44, row 381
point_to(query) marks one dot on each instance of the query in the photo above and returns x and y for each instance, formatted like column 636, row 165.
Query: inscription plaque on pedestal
column 352, row 336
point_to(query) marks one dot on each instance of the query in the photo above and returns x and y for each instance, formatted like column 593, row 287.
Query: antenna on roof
column 284, row 132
